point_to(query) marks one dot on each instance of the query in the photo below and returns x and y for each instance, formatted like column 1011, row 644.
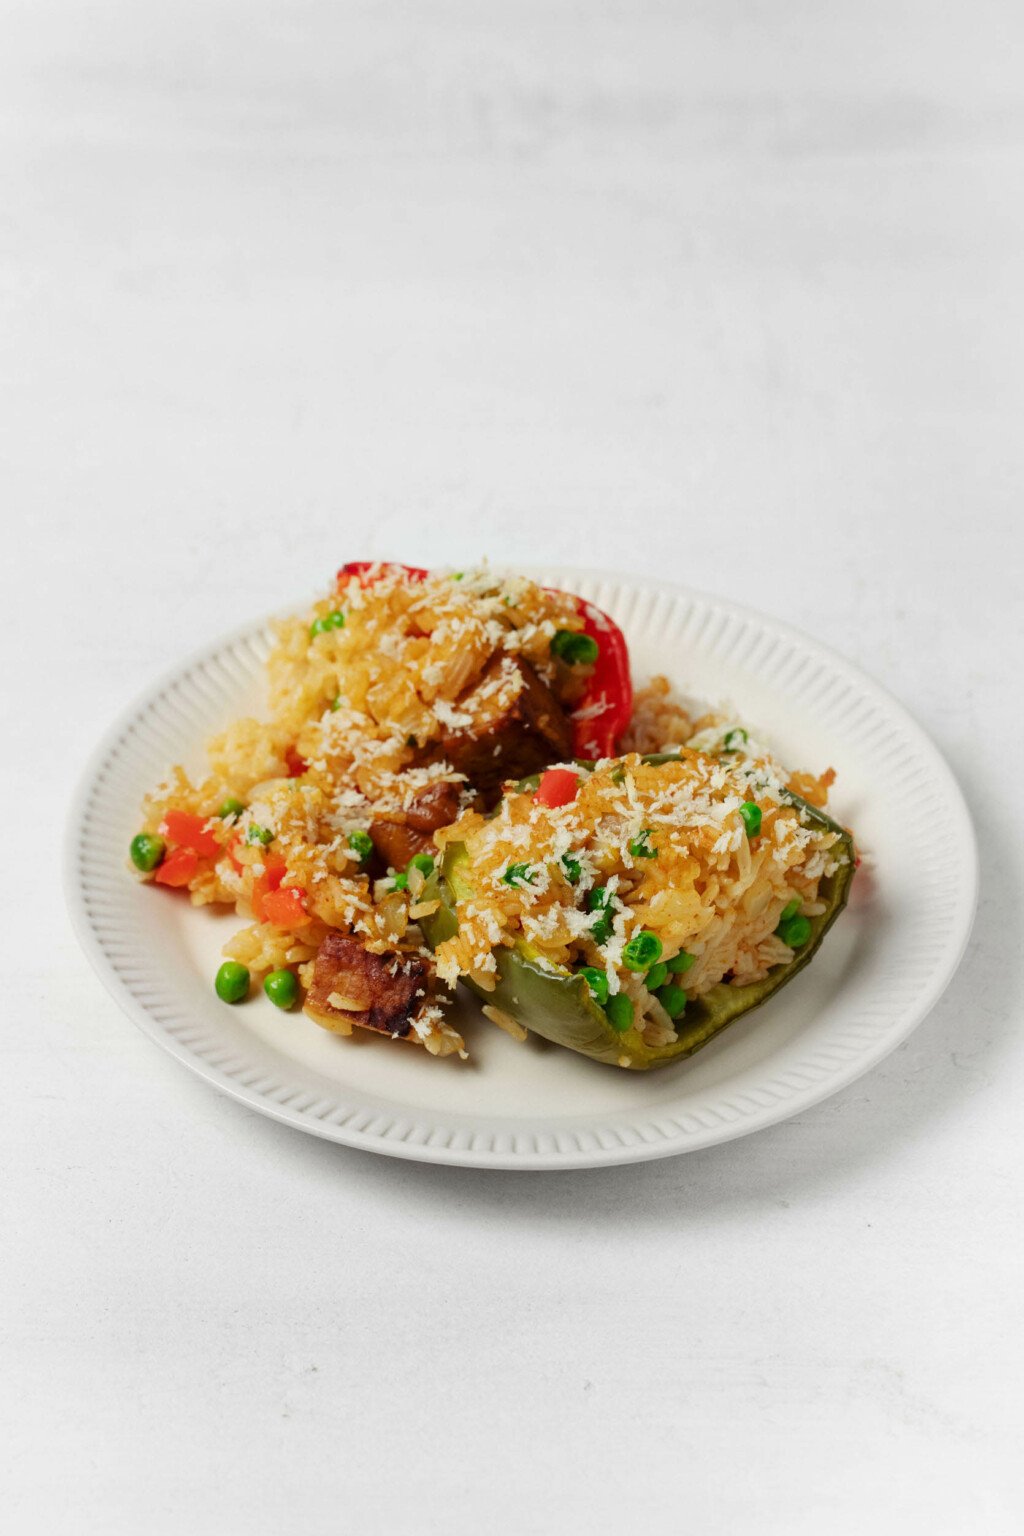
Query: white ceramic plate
column 533, row 1106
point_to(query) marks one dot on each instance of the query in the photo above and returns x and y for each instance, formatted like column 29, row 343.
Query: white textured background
column 725, row 290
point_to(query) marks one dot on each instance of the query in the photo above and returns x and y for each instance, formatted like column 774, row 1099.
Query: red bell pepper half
column 363, row 568
column 607, row 705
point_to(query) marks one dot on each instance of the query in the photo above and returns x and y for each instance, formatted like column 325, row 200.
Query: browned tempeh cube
column 399, row 835
column 515, row 730
column 383, row 992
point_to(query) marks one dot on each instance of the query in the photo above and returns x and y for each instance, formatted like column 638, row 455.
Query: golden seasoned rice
column 669, row 848
column 361, row 689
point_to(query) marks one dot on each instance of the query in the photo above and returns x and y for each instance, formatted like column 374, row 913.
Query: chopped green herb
column 733, row 739
column 618, row 776
column 751, row 817
column 573, row 868
column 333, row 620
column 597, row 898
column 601, row 931
column 257, row 834
column 641, row 848
column 519, row 874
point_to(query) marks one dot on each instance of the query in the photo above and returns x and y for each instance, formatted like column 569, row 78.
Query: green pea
column 597, row 981
column 574, row 647
column 672, row 999
column 681, row 962
column 795, row 932
column 573, row 868
column 789, row 910
column 423, row 862
column 261, row 835
column 640, row 847
column 751, row 817
column 361, row 844
column 147, row 851
column 597, row 898
column 282, row 988
column 231, row 983
column 620, row 1012
column 333, row 620
column 733, row 739
column 656, row 977
column 400, row 882
column 519, row 874
column 231, row 807
column 643, row 949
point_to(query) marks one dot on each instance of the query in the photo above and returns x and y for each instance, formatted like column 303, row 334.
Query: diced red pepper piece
column 362, row 568
column 295, row 764
column 274, row 871
column 558, row 786
column 286, row 908
column 178, row 868
column 184, row 830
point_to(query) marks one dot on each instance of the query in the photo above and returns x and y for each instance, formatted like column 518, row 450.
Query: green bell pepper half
column 557, row 1003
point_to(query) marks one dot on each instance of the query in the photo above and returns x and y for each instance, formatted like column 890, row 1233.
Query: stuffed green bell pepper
column 631, row 911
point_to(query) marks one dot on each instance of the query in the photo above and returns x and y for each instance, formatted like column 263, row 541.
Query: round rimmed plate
column 532, row 1106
